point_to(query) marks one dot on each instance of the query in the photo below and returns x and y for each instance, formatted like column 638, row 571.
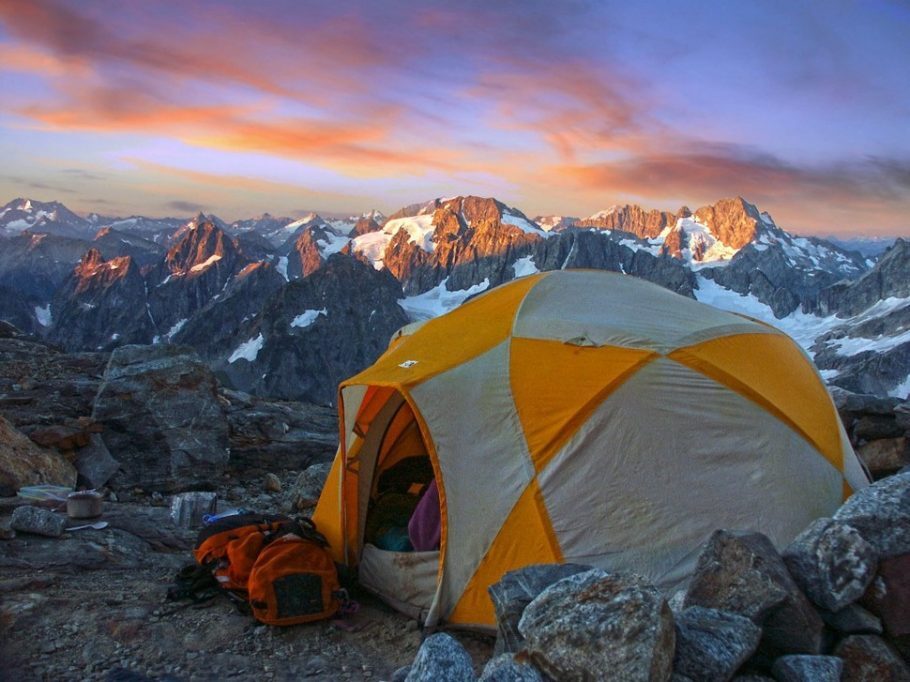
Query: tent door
column 405, row 580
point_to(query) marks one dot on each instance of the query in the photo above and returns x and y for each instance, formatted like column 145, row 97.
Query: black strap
column 193, row 582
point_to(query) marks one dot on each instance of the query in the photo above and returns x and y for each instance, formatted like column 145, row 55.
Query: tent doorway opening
column 401, row 523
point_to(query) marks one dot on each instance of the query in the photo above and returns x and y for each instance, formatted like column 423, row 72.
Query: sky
column 559, row 107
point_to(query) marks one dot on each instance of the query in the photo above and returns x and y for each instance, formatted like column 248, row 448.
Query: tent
column 581, row 416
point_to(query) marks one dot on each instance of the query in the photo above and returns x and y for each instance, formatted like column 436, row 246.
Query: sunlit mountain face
column 564, row 109
column 268, row 300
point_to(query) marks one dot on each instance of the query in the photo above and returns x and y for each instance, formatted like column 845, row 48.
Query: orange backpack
column 293, row 581
column 281, row 566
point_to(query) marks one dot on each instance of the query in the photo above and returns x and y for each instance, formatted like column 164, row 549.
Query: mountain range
column 287, row 307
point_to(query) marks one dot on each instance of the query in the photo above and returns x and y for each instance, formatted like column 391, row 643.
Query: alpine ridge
column 232, row 290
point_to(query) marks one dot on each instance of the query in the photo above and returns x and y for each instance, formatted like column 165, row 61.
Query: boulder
column 305, row 491
column 94, row 463
column 272, row 434
column 162, row 418
column 506, row 668
column 515, row 590
column 831, row 562
column 600, row 626
column 741, row 572
column 23, row 463
column 807, row 669
column 881, row 514
column 441, row 658
column 711, row 644
column 852, row 620
column 868, row 658
column 889, row 595
column 38, row 521
column 885, row 456
column 272, row 483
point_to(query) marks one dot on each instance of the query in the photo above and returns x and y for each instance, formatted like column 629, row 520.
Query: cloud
column 82, row 174
column 729, row 170
column 184, row 206
column 37, row 184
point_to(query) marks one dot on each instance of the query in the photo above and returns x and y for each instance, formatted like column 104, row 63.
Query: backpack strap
column 193, row 582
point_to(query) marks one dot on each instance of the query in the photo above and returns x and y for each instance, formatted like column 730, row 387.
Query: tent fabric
column 589, row 417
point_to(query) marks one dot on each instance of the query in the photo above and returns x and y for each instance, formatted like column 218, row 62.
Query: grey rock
column 743, row 573
column 400, row 674
column 441, row 657
column 515, row 590
column 94, row 462
column 800, row 668
column 868, row 658
column 278, row 434
column 881, row 514
column 307, row 488
column 712, row 644
column 831, row 562
column 504, row 668
column 37, row 521
column 272, row 483
column 888, row 597
column 162, row 418
column 852, row 620
column 600, row 626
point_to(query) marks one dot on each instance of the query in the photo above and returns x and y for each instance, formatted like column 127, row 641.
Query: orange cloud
column 28, row 59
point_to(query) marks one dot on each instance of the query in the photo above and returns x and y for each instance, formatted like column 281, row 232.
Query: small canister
column 85, row 504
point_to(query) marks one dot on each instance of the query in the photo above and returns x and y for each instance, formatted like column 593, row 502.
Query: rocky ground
column 92, row 604
column 143, row 424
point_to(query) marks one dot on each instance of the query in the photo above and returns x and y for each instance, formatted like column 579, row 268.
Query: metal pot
column 85, row 504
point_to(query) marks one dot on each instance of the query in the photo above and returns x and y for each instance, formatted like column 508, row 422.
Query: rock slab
column 881, row 514
column 868, row 658
column 441, row 658
column 23, row 463
column 94, row 462
column 741, row 572
column 600, row 626
column 832, row 563
column 38, row 521
column 711, row 645
column 505, row 668
column 515, row 590
column 808, row 669
column 162, row 418
column 889, row 595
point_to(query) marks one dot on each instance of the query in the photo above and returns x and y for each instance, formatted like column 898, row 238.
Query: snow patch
column 523, row 224
column 176, row 328
column 248, row 350
column 282, row 267
column 902, row 390
column 214, row 258
column 525, row 266
column 308, row 317
column 439, row 300
column 43, row 315
column 331, row 242
column 373, row 244
column 851, row 345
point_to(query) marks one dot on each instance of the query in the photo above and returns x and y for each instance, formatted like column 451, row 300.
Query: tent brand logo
column 408, row 363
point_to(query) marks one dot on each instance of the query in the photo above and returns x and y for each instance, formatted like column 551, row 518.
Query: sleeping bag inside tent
column 574, row 416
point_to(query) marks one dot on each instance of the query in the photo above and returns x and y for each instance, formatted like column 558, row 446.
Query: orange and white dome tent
column 582, row 416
